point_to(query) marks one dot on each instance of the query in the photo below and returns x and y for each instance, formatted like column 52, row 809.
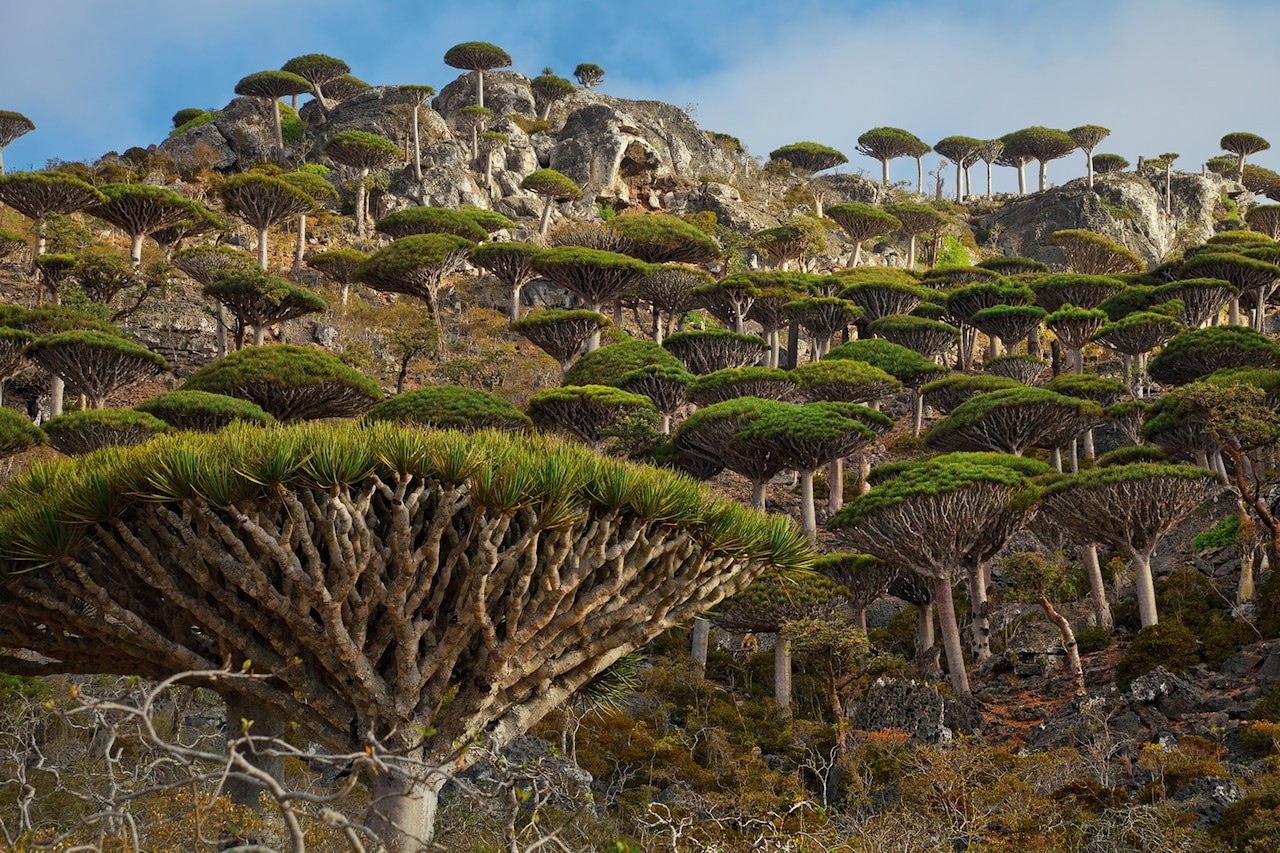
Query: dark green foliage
column 1013, row 421
column 1092, row 638
column 551, row 184
column 450, row 407
column 809, row 157
column 17, row 433
column 38, row 194
column 338, row 265
column 415, row 265
column 843, row 380
column 607, row 365
column 292, row 128
column 431, row 220
column 767, row 383
column 312, row 181
column 907, row 366
column 361, row 150
column 811, row 435
column 862, row 221
column 586, row 411
column 889, row 143
column 490, row 220
column 259, row 300
column 1222, row 534
column 1196, row 353
column 13, row 343
column 95, row 362
column 1009, row 323
column 928, row 337
column 13, row 125
column 289, row 382
column 272, row 85
column 770, row 602
column 1169, row 644
column 965, row 301
column 1128, row 455
column 1106, row 164
column 1242, row 143
column 341, row 88
column 1137, row 333
column 78, row 433
column 509, row 262
column 660, row 239
column 549, row 88
column 589, row 74
column 1013, row 265
column 262, row 200
column 822, row 316
column 884, row 298
column 1082, row 291
column 1025, row 369
column 917, row 218
column 316, row 67
column 594, row 276
column 1130, row 300
column 476, row 56
column 141, row 208
column 202, row 411
column 1090, row 253
column 1075, row 326
column 198, row 118
column 666, row 387
column 950, row 391
column 560, row 333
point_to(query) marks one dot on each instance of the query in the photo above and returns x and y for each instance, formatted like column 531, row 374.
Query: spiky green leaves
column 560, row 333
column 78, row 433
column 771, row 602
column 589, row 74
column 415, row 265
column 888, row 143
column 450, row 407
column 361, row 150
column 950, row 391
column 1195, row 353
column 316, row 67
column 338, row 265
column 714, row 349
column 202, row 411
column 879, row 299
column 1039, row 143
column 1082, row 291
column 766, row 383
column 13, row 125
column 1242, row 144
column 17, row 433
column 431, row 220
column 607, row 365
column 585, row 411
column 1090, row 253
column 1138, row 333
column 661, row 239
column 1107, row 164
column 809, row 436
column 930, row 338
column 291, row 383
column 259, row 300
column 476, row 56
column 95, row 362
column 1075, row 326
column 906, row 365
column 138, row 209
column 38, row 194
column 551, row 184
column 272, row 85
column 809, row 157
column 862, row 221
column 1009, row 323
column 593, row 275
column 843, row 380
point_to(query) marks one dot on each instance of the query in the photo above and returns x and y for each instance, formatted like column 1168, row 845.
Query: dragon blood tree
column 451, row 407
column 606, row 365
column 402, row 592
column 290, row 383
column 339, row 266
column 318, row 70
column 657, row 238
column 713, row 434
column 934, row 518
column 1023, row 369
column 669, row 291
column 12, row 125
column 39, row 195
column 17, row 433
column 263, row 202
column 1090, row 253
column 1195, row 353
column 560, row 333
column 477, row 57
column 955, row 388
column 889, row 143
column 766, row 383
column 666, row 387
column 363, row 152
column 862, row 222
column 906, row 365
column 1012, row 421
column 1130, row 508
column 417, row 266
column 586, row 411
column 510, row 263
column 271, row 86
column 13, row 346
column 806, row 159
column 1074, row 327
column 1253, row 277
column 768, row 605
column 594, row 276
column 865, row 578
column 552, row 187
column 202, row 411
column 82, row 432
column 821, row 318
column 95, row 363
column 1202, row 298
column 260, row 300
column 714, row 349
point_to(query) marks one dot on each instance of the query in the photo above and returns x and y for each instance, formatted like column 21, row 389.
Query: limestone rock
column 383, row 111
column 505, row 92
column 249, row 130
column 1173, row 696
column 202, row 145
column 1128, row 207
column 914, row 707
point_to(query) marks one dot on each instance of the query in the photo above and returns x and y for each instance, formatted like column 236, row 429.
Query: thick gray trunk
column 275, row 119
column 513, row 309
column 959, row 182
column 545, row 222
column 344, row 293
column 259, row 335
column 917, row 416
column 479, row 88
column 988, row 180
column 782, row 675
column 57, row 389
column 1097, row 587
column 980, row 621
column 417, row 146
column 701, row 644
column 1233, row 311
column 911, row 252
column 1044, row 175
column 835, row 486
column 857, row 253
column 1022, row 177
column 808, row 514
column 264, row 723
column 950, row 635
column 1145, row 587
column 884, row 169
column 402, row 812
column 919, row 175
column 301, row 247
column 135, row 252
column 262, row 249
column 361, row 200
column 221, row 322
column 759, row 493
column 924, row 628
column 1088, row 163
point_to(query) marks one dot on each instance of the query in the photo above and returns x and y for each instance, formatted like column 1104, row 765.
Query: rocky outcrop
column 202, row 146
column 916, row 708
column 1128, row 207
column 505, row 92
column 384, row 111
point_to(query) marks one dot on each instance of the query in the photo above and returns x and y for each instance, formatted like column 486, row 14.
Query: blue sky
column 1162, row 74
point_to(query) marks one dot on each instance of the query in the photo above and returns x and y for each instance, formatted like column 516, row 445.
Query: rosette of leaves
column 339, row 266
column 202, row 411
column 1023, row 369
column 1107, row 164
column 520, row 515
column 792, row 241
column 450, row 407
column 968, row 299
column 1009, row 323
column 1130, row 508
column 906, row 365
column 884, row 298
column 950, row 391
column 586, row 411
column 291, row 383
column 658, row 238
column 561, row 333
column 363, row 152
column 510, row 263
column 552, row 187
column 430, row 220
column 844, row 381
column 669, row 289
column 594, row 276
column 78, row 433
column 1082, row 291
column 606, row 365
column 140, row 210
column 929, row 338
column 490, row 220
column 1074, row 327
column 714, row 349
column 17, row 434
column 865, row 578
column 1086, row 386
column 1012, row 421
column 1137, row 333
column 1195, row 353
column 889, row 143
column 728, row 300
column 766, row 383
column 1013, row 265
column 260, row 300
column 96, row 363
column 416, row 266
column 708, row 434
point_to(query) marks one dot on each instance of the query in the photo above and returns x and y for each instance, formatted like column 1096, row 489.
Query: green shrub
column 1169, row 644
column 1268, row 707
column 1092, row 639
column 291, row 127
column 1030, row 573
column 203, row 118
column 1223, row 533
column 1222, row 638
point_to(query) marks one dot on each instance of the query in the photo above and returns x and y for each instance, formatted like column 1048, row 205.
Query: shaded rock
column 1175, row 697
column 249, row 130
column 325, row 335
column 1207, row 798
column 1127, row 207
column 846, row 187
column 1270, row 669
column 726, row 202
column 914, row 707
column 203, row 145
column 528, row 762
column 384, row 111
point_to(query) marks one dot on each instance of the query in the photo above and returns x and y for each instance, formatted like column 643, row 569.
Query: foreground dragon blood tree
column 361, row 151
column 403, row 592
column 12, row 126
column 1130, row 508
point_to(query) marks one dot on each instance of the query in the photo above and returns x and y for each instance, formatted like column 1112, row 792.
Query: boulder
column 1175, row 697
column 249, row 130
column 505, row 92
column 203, row 146
column 1207, row 798
column 916, row 708
column 383, row 111
column 1128, row 207
column 528, row 763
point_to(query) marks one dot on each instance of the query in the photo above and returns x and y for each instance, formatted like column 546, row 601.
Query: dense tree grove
column 699, row 471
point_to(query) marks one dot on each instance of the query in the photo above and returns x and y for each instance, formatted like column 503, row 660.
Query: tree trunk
column 57, row 388
column 513, row 310
column 884, row 169
column 959, row 182
column 950, row 635
column 1088, row 164
column 402, row 811
column 545, row 222
column 980, row 619
column 1069, row 644
column 221, row 322
column 759, row 492
column 417, row 146
column 701, row 643
column 924, row 628
column 911, row 252
column 1022, row 177
column 275, row 118
column 361, row 194
column 1044, row 175
column 782, row 674
column 1097, row 587
column 864, row 472
column 775, row 348
column 1145, row 586
column 919, row 175
column 793, row 345
column 917, row 416
column 1089, row 452
column 479, row 88
column 301, row 247
column 988, row 180
column 1233, row 311
column 1168, row 190
column 835, row 486
column 808, row 514
column 259, row 334
column 344, row 292
column 262, row 249
column 1055, row 459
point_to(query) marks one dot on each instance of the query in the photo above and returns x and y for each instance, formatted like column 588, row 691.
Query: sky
column 1163, row 75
